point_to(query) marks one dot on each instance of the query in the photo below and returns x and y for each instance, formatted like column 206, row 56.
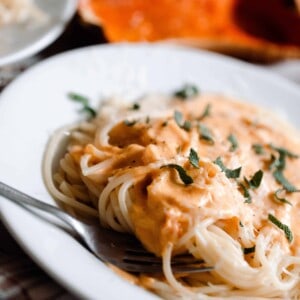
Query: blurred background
column 261, row 32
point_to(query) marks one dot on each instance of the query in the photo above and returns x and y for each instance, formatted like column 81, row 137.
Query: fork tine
column 141, row 259
column 136, row 248
column 140, row 268
column 157, row 268
column 150, row 258
column 192, row 268
column 186, row 259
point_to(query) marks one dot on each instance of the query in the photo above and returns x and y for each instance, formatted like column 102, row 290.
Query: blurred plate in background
column 19, row 41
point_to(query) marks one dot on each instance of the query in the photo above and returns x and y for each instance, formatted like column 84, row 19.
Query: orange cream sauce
column 164, row 208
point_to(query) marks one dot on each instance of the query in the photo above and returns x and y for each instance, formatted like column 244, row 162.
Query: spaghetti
column 198, row 174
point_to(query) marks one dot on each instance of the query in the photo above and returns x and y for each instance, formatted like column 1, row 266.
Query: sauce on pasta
column 207, row 175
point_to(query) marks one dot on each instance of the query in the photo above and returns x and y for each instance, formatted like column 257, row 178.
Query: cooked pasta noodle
column 205, row 175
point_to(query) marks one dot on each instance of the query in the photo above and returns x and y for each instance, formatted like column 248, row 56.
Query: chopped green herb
column 178, row 117
column 281, row 199
column 247, row 196
column 219, row 162
column 288, row 233
column 241, row 224
column 280, row 178
column 194, row 158
column 135, row 106
column 147, row 120
column 276, row 163
column 249, row 250
column 181, row 172
column 205, row 133
column 79, row 98
column 235, row 173
column 186, row 125
column 234, row 143
column 256, row 179
column 285, row 151
column 130, row 123
column 280, row 162
column 258, row 148
column 85, row 103
column 89, row 110
column 187, row 91
column 206, row 112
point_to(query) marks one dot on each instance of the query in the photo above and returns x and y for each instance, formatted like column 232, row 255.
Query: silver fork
column 122, row 250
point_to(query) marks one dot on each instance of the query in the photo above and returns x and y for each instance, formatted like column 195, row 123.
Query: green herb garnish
column 255, row 181
column 178, row 117
column 186, row 125
column 234, row 143
column 258, row 148
column 205, row 133
column 280, row 178
column 130, row 123
column 206, row 112
column 186, row 179
column 85, row 103
column 249, row 250
column 241, row 224
column 147, row 120
column 235, row 173
column 247, row 196
column 135, row 106
column 288, row 233
column 89, row 110
column 79, row 98
column 280, row 199
column 194, row 158
column 187, row 91
column 278, row 165
column 285, row 151
column 280, row 162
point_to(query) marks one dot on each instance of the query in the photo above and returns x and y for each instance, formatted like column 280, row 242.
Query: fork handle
column 21, row 198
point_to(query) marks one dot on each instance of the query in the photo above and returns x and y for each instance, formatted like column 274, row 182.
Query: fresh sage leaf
column 186, row 179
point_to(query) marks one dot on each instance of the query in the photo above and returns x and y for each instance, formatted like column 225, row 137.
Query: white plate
column 35, row 104
column 19, row 41
column 288, row 68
